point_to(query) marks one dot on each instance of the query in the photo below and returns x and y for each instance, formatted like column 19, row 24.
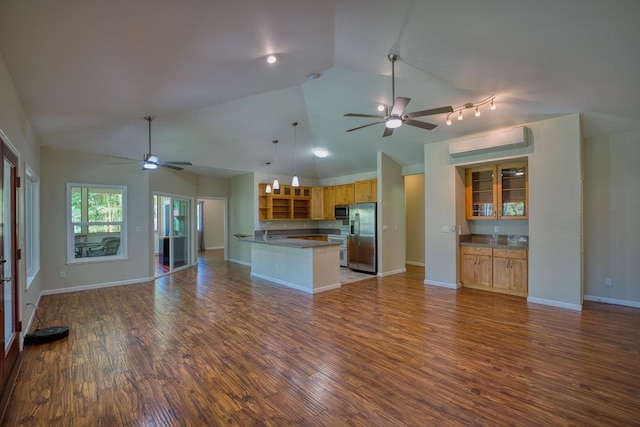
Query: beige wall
column 611, row 225
column 555, row 198
column 414, row 205
column 214, row 223
column 391, row 217
column 17, row 131
column 62, row 167
column 243, row 199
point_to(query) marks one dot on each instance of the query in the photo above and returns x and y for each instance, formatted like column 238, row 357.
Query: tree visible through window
column 97, row 220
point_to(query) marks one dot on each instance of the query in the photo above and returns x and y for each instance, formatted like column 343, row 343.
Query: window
column 96, row 222
column 32, row 225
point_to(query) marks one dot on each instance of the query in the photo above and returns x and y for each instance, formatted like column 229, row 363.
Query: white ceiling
column 87, row 73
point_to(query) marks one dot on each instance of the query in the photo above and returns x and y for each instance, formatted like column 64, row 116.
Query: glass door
column 8, row 265
column 173, row 225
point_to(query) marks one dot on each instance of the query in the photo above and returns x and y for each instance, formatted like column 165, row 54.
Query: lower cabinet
column 494, row 269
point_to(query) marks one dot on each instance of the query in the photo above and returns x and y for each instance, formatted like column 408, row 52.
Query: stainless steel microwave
column 341, row 211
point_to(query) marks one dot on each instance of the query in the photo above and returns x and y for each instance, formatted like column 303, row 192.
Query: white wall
column 391, row 217
column 554, row 216
column 611, row 225
column 414, row 205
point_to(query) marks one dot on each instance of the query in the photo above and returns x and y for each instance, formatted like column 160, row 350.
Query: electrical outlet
column 607, row 281
column 496, row 229
column 63, row 274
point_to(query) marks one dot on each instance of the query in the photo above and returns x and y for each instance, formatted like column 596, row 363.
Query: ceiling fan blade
column 387, row 131
column 447, row 109
column 416, row 123
column 399, row 105
column 164, row 165
column 369, row 116
column 178, row 163
column 360, row 127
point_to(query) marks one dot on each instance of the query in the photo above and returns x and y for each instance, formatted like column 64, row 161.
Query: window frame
column 32, row 224
column 122, row 255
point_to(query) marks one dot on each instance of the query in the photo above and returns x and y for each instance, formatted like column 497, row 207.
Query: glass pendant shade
column 268, row 189
column 295, row 182
column 276, row 184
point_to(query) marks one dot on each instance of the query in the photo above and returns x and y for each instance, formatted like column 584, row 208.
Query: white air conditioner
column 503, row 139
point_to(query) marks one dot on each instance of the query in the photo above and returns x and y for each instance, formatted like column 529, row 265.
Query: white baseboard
column 392, row 272
column 419, row 264
column 442, row 284
column 614, row 301
column 552, row 303
column 213, row 247
column 96, row 286
column 237, row 261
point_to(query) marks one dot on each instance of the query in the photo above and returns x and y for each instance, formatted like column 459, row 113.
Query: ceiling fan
column 395, row 115
column 150, row 161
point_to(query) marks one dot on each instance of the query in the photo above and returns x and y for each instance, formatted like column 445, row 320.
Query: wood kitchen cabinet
column 477, row 266
column 366, row 190
column 494, row 269
column 497, row 191
column 286, row 203
column 317, row 203
column 510, row 270
column 345, row 194
column 329, row 202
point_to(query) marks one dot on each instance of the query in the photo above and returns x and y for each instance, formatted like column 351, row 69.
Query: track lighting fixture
column 469, row 105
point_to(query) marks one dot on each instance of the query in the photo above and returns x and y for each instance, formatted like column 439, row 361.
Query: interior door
column 8, row 264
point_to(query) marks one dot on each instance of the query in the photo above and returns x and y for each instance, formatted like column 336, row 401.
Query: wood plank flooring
column 211, row 346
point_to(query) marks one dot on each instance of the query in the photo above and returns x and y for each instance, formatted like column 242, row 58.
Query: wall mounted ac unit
column 504, row 139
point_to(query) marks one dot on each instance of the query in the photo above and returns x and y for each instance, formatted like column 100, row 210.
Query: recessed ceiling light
column 271, row 59
column 381, row 107
column 320, row 152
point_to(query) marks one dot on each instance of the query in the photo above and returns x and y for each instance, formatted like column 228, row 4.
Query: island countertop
column 290, row 242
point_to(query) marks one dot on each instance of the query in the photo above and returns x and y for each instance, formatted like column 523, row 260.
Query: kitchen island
column 308, row 265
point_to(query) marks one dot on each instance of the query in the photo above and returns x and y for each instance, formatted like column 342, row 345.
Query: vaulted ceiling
column 88, row 72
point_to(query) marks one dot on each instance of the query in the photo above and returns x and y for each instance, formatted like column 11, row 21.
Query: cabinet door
column 349, row 194
column 484, row 270
column 329, row 202
column 317, row 208
column 481, row 192
column 467, row 271
column 519, row 275
column 501, row 273
column 513, row 195
column 366, row 191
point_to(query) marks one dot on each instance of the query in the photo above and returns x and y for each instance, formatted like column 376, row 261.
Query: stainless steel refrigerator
column 362, row 240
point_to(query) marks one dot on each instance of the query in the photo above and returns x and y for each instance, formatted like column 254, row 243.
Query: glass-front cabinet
column 497, row 191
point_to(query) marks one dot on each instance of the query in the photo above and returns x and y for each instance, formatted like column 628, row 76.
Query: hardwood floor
column 212, row 346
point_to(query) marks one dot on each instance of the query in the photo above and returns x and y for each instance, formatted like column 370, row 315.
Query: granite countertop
column 495, row 241
column 290, row 242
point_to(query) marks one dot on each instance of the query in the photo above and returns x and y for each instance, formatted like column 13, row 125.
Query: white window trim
column 71, row 259
column 33, row 241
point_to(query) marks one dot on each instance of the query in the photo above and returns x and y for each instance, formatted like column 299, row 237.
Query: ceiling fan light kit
column 151, row 162
column 396, row 116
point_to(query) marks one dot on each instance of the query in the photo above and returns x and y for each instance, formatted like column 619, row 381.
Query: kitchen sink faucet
column 265, row 235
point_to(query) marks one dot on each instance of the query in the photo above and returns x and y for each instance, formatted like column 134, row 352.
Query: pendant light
column 268, row 189
column 294, row 181
column 276, row 184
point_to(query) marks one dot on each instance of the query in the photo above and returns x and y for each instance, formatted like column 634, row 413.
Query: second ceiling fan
column 395, row 115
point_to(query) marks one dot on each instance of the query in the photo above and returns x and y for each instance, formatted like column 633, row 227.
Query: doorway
column 172, row 224
column 9, row 321
column 212, row 225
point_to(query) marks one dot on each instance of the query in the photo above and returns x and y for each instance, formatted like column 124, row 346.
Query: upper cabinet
column 285, row 203
column 345, row 194
column 366, row 191
column 497, row 191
